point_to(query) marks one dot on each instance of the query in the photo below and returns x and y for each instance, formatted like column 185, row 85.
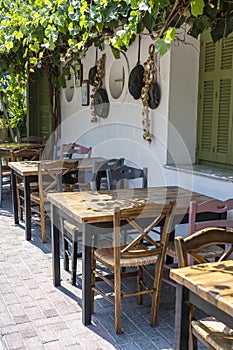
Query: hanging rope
column 149, row 77
column 98, row 81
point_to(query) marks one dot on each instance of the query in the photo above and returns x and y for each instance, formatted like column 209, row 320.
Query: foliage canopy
column 43, row 33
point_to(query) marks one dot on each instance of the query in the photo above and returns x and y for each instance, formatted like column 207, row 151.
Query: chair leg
column 74, row 262
column 65, row 254
column 156, row 294
column 139, row 284
column 1, row 190
column 93, row 283
column 117, row 300
column 42, row 218
column 192, row 337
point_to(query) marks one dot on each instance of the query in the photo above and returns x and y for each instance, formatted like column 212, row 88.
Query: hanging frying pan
column 154, row 95
column 101, row 103
column 93, row 71
column 136, row 82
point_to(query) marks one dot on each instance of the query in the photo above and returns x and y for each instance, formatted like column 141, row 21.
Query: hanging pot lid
column 136, row 82
column 101, row 103
column 93, row 71
column 154, row 95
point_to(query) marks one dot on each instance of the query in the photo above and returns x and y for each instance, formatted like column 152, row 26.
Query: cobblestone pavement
column 36, row 315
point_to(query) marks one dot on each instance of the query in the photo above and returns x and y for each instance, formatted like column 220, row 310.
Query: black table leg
column 14, row 197
column 55, row 247
column 27, row 202
column 182, row 318
column 86, row 274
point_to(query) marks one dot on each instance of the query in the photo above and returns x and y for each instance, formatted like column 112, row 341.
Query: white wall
column 121, row 134
column 173, row 122
column 183, row 97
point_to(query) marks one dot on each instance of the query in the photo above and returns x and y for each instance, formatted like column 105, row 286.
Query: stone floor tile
column 55, row 345
column 14, row 341
column 54, row 315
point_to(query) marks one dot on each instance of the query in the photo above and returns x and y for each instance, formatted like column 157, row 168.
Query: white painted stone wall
column 173, row 123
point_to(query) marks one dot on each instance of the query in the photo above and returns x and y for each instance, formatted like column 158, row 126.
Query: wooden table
column 207, row 286
column 27, row 171
column 92, row 211
column 6, row 152
column 13, row 146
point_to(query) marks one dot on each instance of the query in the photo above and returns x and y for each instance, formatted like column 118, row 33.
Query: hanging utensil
column 154, row 90
column 93, row 70
column 136, row 81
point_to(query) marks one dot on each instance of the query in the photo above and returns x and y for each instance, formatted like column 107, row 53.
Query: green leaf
column 33, row 61
column 197, row 7
column 170, row 35
column 9, row 45
column 161, row 46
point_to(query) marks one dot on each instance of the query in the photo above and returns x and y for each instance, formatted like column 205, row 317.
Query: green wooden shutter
column 206, row 98
column 215, row 107
column 39, row 118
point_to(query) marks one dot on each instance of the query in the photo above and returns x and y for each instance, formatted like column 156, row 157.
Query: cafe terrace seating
column 25, row 154
column 70, row 233
column 135, row 255
column 5, row 172
column 212, row 333
column 205, row 213
column 74, row 150
column 106, row 175
column 48, row 181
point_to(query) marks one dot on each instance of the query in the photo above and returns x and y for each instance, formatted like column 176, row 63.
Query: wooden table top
column 13, row 146
column 93, row 206
column 29, row 168
column 213, row 282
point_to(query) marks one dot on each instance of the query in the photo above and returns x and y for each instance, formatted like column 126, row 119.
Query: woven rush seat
column 133, row 254
column 216, row 333
column 208, row 252
column 207, row 214
column 33, row 186
column 106, row 256
column 211, row 332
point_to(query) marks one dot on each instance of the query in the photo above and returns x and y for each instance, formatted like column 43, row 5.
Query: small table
column 13, row 146
column 6, row 152
column 93, row 211
column 27, row 171
column 207, row 286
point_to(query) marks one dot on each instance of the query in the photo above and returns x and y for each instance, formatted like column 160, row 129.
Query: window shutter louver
column 215, row 105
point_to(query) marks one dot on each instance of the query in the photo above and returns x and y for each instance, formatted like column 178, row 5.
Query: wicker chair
column 212, row 333
column 5, row 172
column 135, row 255
column 49, row 181
column 71, row 234
column 116, row 178
column 213, row 207
column 25, row 154
column 67, row 151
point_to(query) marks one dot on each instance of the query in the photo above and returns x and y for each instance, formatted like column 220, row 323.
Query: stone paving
column 36, row 315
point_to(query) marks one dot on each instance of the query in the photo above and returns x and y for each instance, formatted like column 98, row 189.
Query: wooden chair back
column 5, row 158
column 27, row 154
column 32, row 139
column 50, row 175
column 115, row 177
column 214, row 206
column 158, row 215
column 100, row 171
column 68, row 150
column 207, row 237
